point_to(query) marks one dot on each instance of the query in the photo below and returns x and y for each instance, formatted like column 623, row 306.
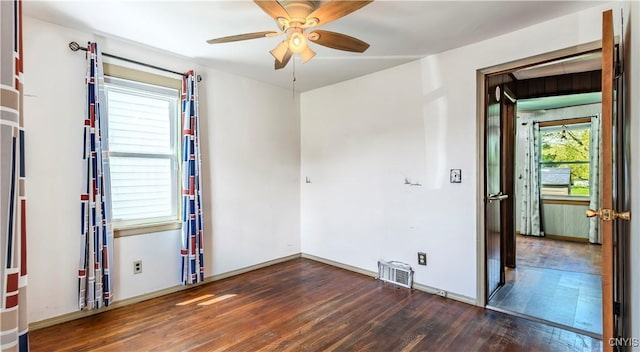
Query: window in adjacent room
column 565, row 159
column 143, row 148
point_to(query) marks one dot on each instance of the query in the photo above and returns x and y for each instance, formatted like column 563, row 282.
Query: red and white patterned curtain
column 14, row 330
column 192, row 247
column 96, row 242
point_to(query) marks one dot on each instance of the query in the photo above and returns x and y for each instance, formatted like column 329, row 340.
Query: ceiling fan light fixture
column 279, row 51
column 307, row 55
column 297, row 43
column 293, row 18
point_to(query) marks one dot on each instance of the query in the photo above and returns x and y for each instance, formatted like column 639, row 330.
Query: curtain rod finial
column 74, row 46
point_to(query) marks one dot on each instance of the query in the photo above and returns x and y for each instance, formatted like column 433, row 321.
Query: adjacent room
column 316, row 175
column 558, row 250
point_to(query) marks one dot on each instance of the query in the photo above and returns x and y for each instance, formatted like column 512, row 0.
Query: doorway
column 554, row 273
column 554, row 276
column 612, row 212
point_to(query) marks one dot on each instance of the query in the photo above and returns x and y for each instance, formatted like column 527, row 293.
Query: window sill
column 146, row 228
column 571, row 200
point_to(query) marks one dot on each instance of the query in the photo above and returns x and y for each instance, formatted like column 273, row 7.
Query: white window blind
column 142, row 147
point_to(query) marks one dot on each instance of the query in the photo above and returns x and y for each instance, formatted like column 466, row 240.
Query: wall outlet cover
column 422, row 258
column 137, row 267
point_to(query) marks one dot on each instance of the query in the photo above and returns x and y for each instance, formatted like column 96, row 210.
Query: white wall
column 361, row 138
column 251, row 162
column 254, row 138
column 417, row 121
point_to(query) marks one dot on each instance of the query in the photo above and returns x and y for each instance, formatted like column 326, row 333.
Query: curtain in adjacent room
column 595, row 178
column 13, row 238
column 96, row 232
column 192, row 251
column 531, row 221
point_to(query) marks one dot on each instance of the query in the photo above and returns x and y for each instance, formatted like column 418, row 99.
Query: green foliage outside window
column 568, row 147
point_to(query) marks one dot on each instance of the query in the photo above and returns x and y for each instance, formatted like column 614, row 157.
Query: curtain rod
column 75, row 47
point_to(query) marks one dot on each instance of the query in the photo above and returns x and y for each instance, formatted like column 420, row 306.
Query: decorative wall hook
column 407, row 181
column 307, row 180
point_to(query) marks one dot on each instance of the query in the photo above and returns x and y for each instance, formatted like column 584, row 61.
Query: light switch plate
column 455, row 176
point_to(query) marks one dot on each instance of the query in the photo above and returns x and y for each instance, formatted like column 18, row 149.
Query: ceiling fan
column 295, row 19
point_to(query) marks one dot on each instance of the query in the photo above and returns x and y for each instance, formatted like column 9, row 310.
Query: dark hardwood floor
column 541, row 252
column 303, row 305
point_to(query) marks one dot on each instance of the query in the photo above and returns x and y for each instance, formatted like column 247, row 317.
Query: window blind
column 142, row 145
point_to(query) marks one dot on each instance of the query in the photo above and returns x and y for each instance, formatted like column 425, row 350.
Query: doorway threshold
column 546, row 322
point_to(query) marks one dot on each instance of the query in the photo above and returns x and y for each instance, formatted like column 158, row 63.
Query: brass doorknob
column 608, row 214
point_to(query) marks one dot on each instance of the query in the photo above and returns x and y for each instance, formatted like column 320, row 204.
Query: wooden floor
column 303, row 305
column 558, row 281
column 540, row 252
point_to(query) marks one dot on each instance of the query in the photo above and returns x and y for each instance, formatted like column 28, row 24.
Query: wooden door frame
column 481, row 75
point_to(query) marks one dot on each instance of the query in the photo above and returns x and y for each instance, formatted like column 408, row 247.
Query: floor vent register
column 397, row 273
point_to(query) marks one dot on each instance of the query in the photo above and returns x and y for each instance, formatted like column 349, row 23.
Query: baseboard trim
column 419, row 287
column 340, row 265
column 117, row 304
column 551, row 236
column 132, row 300
column 566, row 238
column 453, row 296
column 251, row 268
column 128, row 301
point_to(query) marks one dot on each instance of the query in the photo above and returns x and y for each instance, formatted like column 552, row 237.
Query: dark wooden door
column 508, row 167
column 493, row 194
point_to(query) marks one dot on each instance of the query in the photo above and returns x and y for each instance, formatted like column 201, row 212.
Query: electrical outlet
column 137, row 267
column 442, row 293
column 422, row 258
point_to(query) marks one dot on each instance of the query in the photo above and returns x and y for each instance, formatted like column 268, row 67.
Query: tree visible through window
column 565, row 159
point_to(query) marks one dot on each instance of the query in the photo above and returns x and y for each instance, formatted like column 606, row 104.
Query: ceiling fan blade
column 280, row 50
column 336, row 9
column 280, row 64
column 307, row 55
column 338, row 41
column 235, row 38
column 272, row 8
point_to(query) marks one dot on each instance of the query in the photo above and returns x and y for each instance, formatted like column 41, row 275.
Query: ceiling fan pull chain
column 293, row 83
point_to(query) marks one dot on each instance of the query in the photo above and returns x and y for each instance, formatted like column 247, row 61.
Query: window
column 564, row 159
column 143, row 149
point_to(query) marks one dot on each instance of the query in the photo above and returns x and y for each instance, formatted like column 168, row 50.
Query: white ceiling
column 398, row 31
